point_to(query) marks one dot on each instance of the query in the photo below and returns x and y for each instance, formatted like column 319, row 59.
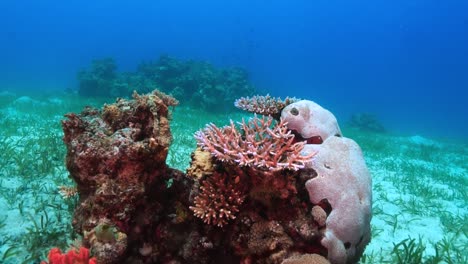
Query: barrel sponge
column 343, row 181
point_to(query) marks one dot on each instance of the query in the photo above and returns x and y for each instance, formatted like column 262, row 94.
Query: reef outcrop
column 266, row 190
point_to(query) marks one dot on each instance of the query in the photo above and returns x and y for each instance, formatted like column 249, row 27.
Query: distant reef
column 197, row 83
column 366, row 122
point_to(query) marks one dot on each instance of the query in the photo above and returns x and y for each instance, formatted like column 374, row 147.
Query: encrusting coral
column 263, row 191
column 306, row 259
column 202, row 164
column 267, row 236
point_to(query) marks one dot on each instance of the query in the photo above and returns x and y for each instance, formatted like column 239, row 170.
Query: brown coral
column 258, row 144
column 268, row 236
column 218, row 201
column 263, row 105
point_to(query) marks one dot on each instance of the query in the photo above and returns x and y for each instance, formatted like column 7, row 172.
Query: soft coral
column 73, row 256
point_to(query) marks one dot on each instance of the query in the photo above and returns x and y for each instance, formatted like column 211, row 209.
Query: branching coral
column 218, row 201
column 258, row 144
column 263, row 105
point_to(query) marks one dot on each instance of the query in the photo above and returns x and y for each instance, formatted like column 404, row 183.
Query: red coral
column 256, row 144
column 71, row 257
column 263, row 105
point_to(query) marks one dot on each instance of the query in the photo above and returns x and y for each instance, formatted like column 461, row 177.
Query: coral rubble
column 258, row 192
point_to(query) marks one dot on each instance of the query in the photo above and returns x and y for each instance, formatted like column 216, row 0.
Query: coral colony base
column 254, row 193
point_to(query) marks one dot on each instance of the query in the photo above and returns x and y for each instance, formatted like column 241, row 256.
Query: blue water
column 406, row 61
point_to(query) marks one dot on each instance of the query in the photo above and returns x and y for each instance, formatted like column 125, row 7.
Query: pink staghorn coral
column 257, row 144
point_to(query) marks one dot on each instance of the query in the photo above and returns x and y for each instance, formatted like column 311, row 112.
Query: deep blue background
column 405, row 60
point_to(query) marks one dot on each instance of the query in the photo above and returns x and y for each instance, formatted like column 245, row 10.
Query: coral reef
column 99, row 79
column 118, row 163
column 193, row 82
column 366, row 122
column 255, row 192
column 199, row 82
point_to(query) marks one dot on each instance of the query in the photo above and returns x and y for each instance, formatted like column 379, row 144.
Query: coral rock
column 106, row 242
column 117, row 156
